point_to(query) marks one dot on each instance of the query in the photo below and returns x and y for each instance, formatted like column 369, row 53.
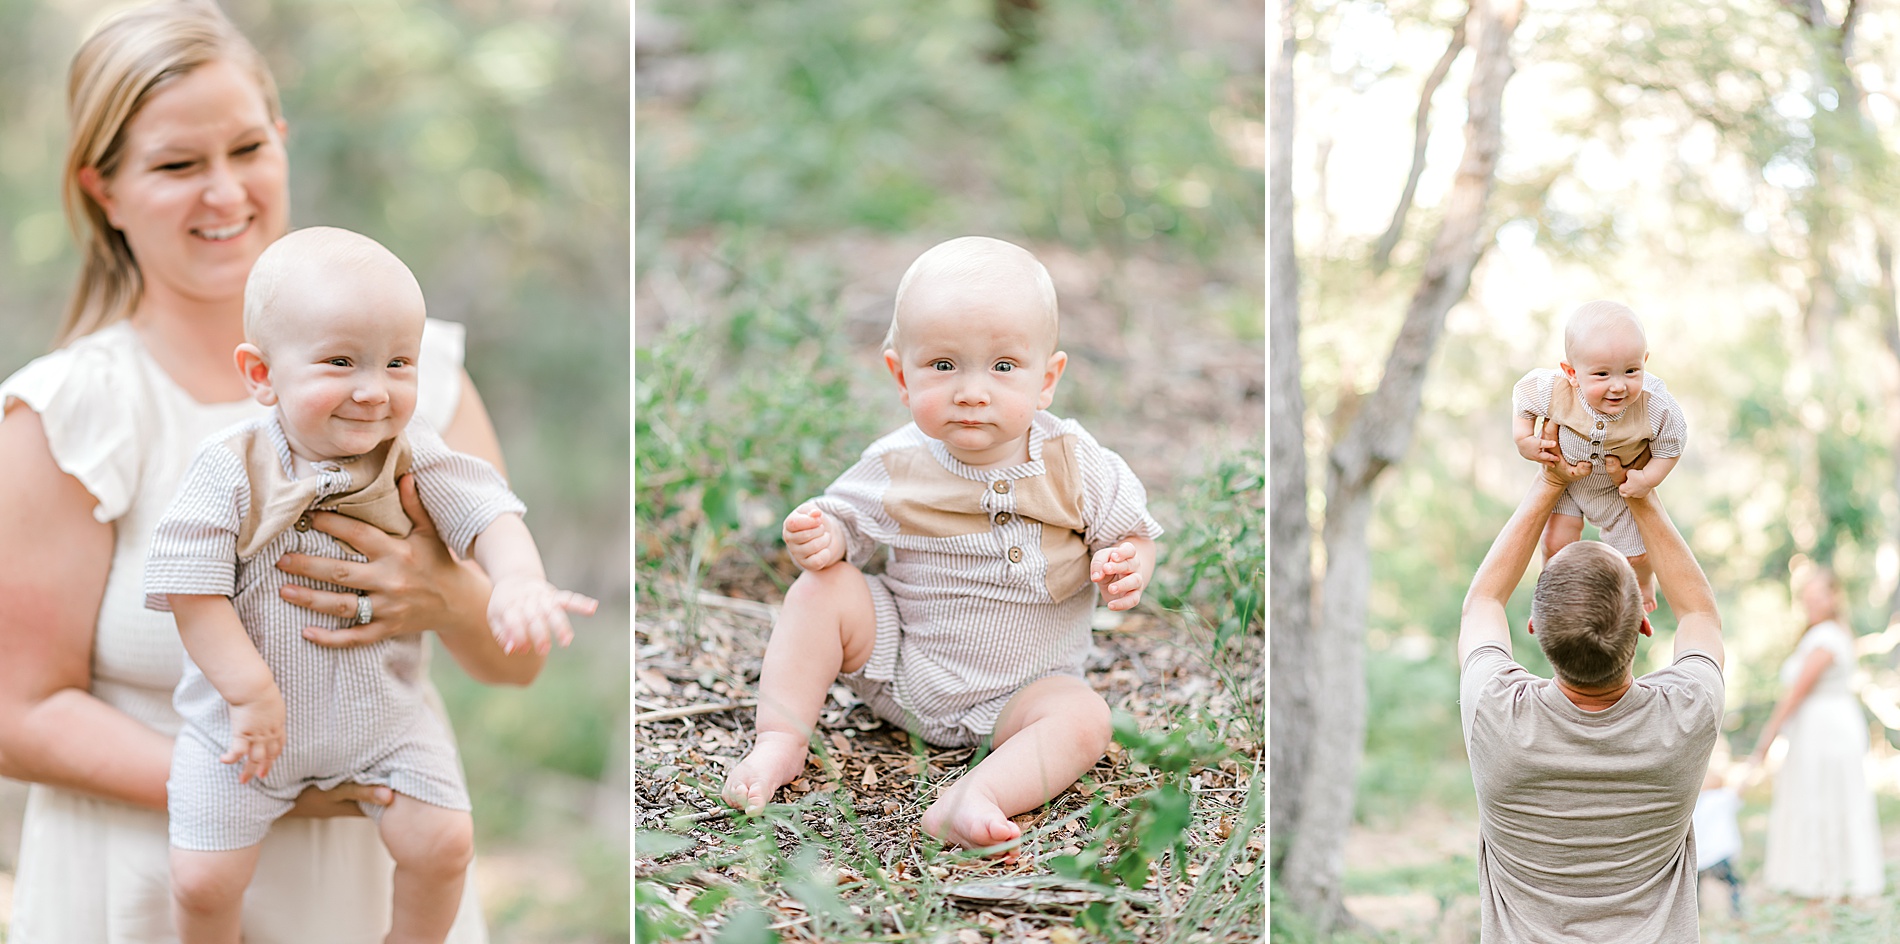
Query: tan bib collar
column 361, row 487
column 1623, row 436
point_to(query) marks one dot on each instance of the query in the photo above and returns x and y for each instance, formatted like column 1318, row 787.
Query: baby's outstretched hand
column 809, row 537
column 1118, row 573
column 528, row 613
column 257, row 734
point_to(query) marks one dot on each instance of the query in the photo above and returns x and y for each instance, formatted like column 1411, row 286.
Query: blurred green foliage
column 1108, row 129
column 739, row 421
column 487, row 145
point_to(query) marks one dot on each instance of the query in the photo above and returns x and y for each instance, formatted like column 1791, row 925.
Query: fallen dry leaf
column 870, row 776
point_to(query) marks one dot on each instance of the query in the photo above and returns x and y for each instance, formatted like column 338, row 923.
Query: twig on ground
column 751, row 608
column 669, row 714
column 702, row 817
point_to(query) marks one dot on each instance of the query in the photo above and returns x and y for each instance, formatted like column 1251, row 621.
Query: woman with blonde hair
column 1823, row 829
column 175, row 181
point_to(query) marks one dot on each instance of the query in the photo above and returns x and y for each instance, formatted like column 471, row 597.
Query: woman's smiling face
column 203, row 184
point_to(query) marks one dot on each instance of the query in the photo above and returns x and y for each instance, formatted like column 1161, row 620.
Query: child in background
column 1605, row 404
column 333, row 324
column 1718, row 839
column 999, row 516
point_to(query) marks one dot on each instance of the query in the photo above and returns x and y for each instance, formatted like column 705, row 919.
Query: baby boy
column 1002, row 521
column 1604, row 405
column 333, row 323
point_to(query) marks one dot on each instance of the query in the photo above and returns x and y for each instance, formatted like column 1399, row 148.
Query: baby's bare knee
column 1094, row 726
column 207, row 883
column 439, row 842
column 824, row 587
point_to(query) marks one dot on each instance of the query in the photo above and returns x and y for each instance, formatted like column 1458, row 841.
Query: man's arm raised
column 1483, row 621
column 1678, row 575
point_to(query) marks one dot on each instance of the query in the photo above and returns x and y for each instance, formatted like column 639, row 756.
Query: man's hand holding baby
column 814, row 541
column 1122, row 572
column 1556, row 470
column 1534, row 446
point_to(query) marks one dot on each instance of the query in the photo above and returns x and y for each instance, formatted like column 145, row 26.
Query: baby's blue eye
column 942, row 365
column 1005, row 366
column 339, row 362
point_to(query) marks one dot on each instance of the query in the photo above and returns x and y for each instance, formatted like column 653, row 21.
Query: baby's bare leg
column 432, row 847
column 208, row 893
column 1640, row 563
column 1560, row 532
column 1047, row 735
column 828, row 625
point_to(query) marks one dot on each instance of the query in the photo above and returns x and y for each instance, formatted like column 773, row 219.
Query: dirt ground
column 876, row 770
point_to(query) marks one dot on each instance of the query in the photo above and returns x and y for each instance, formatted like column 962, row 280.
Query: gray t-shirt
column 1584, row 816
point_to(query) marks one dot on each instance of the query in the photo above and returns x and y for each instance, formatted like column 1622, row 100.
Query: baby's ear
column 894, row 363
column 1570, row 373
column 256, row 373
column 1052, row 373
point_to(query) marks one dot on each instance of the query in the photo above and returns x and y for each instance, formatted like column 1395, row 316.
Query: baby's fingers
column 576, row 603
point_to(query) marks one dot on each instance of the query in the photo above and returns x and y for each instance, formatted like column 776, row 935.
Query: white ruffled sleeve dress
column 1823, row 829
column 95, row 871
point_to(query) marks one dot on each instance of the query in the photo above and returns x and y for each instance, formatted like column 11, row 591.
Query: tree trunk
column 1290, row 554
column 1421, row 134
column 1378, row 438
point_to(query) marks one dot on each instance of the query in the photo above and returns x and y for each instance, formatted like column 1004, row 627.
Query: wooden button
column 303, row 522
column 1599, row 424
column 1595, row 456
column 1001, row 487
column 1002, row 518
column 1015, row 555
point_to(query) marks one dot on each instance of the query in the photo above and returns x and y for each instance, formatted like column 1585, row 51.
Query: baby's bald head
column 975, row 270
column 1594, row 322
column 326, row 267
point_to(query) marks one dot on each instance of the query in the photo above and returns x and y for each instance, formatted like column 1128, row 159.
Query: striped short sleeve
column 194, row 546
column 856, row 501
column 1114, row 503
column 1669, row 429
column 1531, row 395
column 463, row 494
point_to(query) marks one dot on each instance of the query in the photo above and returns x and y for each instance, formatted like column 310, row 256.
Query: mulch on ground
column 692, row 695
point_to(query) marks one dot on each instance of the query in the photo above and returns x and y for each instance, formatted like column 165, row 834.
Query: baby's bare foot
column 968, row 819
column 776, row 758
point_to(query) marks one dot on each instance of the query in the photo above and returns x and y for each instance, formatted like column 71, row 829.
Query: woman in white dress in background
column 1823, row 830
column 176, row 177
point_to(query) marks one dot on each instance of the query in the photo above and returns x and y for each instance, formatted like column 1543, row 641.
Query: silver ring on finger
column 363, row 614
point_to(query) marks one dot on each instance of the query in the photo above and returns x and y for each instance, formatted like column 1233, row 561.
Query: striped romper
column 353, row 714
column 1586, row 435
column 987, row 588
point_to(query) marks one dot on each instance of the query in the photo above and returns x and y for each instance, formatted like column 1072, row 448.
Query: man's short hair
column 1587, row 610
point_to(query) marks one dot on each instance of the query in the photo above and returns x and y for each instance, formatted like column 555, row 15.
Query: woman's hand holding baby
column 411, row 582
column 812, row 539
column 1122, row 572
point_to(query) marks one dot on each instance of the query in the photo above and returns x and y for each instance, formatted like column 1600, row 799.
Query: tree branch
column 1421, row 133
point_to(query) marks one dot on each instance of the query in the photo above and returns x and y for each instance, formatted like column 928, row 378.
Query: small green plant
column 1214, row 562
column 740, row 419
column 1153, row 824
